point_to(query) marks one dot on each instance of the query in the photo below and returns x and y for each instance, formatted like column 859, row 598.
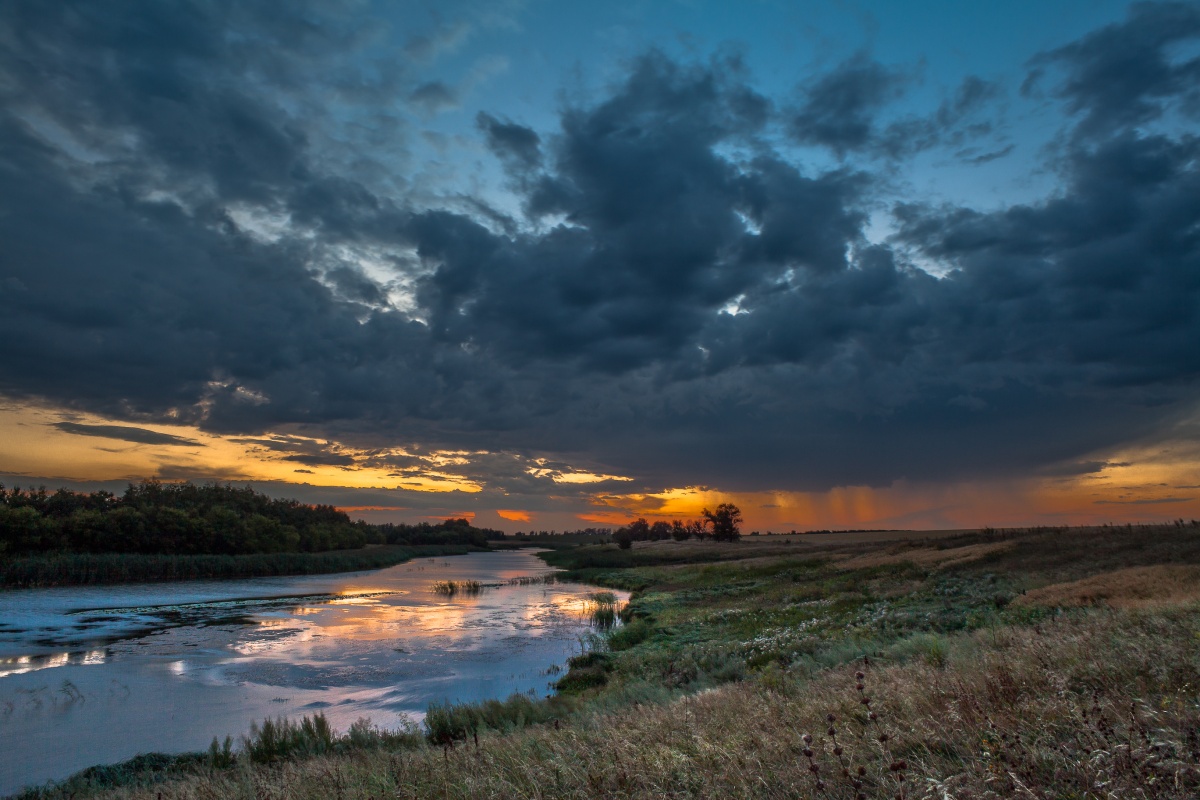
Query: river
column 98, row 674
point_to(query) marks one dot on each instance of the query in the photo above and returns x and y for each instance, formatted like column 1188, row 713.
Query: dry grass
column 926, row 556
column 1098, row 706
column 1161, row 586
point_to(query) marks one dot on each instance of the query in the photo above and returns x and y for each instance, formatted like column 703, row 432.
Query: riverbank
column 1050, row 663
column 89, row 569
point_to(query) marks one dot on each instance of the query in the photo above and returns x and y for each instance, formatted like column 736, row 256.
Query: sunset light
column 503, row 399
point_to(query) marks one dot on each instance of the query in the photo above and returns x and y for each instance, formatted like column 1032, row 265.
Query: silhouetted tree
column 725, row 521
column 624, row 538
column 639, row 529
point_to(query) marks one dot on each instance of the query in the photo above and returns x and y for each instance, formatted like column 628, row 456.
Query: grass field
column 81, row 569
column 1042, row 663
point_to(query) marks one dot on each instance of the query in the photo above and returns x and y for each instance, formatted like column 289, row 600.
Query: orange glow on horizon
column 607, row 518
column 35, row 444
column 1136, row 485
column 352, row 509
column 1151, row 482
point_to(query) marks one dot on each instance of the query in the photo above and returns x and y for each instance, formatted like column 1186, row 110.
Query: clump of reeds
column 451, row 588
column 279, row 739
column 533, row 580
column 447, row 723
column 603, row 609
column 283, row 739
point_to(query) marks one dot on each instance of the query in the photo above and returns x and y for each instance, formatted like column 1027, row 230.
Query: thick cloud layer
column 675, row 295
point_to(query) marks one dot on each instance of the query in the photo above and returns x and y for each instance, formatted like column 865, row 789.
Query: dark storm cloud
column 844, row 109
column 682, row 303
column 136, row 129
column 1126, row 74
column 125, row 433
column 839, row 109
column 511, row 142
column 1100, row 284
column 353, row 285
column 326, row 460
column 654, row 244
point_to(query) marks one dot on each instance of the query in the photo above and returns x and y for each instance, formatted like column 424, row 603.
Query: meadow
column 1049, row 663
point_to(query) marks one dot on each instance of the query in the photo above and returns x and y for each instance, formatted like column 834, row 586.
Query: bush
column 630, row 635
column 447, row 723
column 578, row 680
column 592, row 659
column 282, row 739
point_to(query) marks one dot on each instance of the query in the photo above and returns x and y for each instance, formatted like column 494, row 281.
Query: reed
column 534, row 580
column 452, row 588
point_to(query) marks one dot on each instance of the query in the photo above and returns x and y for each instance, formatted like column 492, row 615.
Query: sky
column 558, row 265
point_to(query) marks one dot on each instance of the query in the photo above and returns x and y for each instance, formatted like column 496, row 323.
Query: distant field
column 862, row 537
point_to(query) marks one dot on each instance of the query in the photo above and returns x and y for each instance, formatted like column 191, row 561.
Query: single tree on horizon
column 726, row 522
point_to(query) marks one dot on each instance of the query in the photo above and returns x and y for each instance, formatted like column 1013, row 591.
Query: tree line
column 153, row 517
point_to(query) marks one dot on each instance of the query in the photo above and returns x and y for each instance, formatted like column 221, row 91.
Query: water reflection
column 21, row 664
column 170, row 666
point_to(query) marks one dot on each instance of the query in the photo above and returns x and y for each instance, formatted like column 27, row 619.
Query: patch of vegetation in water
column 452, row 588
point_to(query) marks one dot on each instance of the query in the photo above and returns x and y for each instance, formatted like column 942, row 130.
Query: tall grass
column 447, row 723
column 283, row 739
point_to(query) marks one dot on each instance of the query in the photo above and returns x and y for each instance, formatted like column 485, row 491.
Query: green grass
column 72, row 569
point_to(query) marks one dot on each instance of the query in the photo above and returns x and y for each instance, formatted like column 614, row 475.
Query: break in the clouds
column 319, row 217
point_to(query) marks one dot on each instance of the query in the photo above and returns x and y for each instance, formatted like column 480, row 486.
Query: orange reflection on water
column 403, row 617
column 18, row 665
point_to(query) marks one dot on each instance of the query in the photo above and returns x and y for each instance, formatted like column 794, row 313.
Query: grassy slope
column 974, row 695
column 77, row 569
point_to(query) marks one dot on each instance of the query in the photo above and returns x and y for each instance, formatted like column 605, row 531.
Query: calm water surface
column 98, row 674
